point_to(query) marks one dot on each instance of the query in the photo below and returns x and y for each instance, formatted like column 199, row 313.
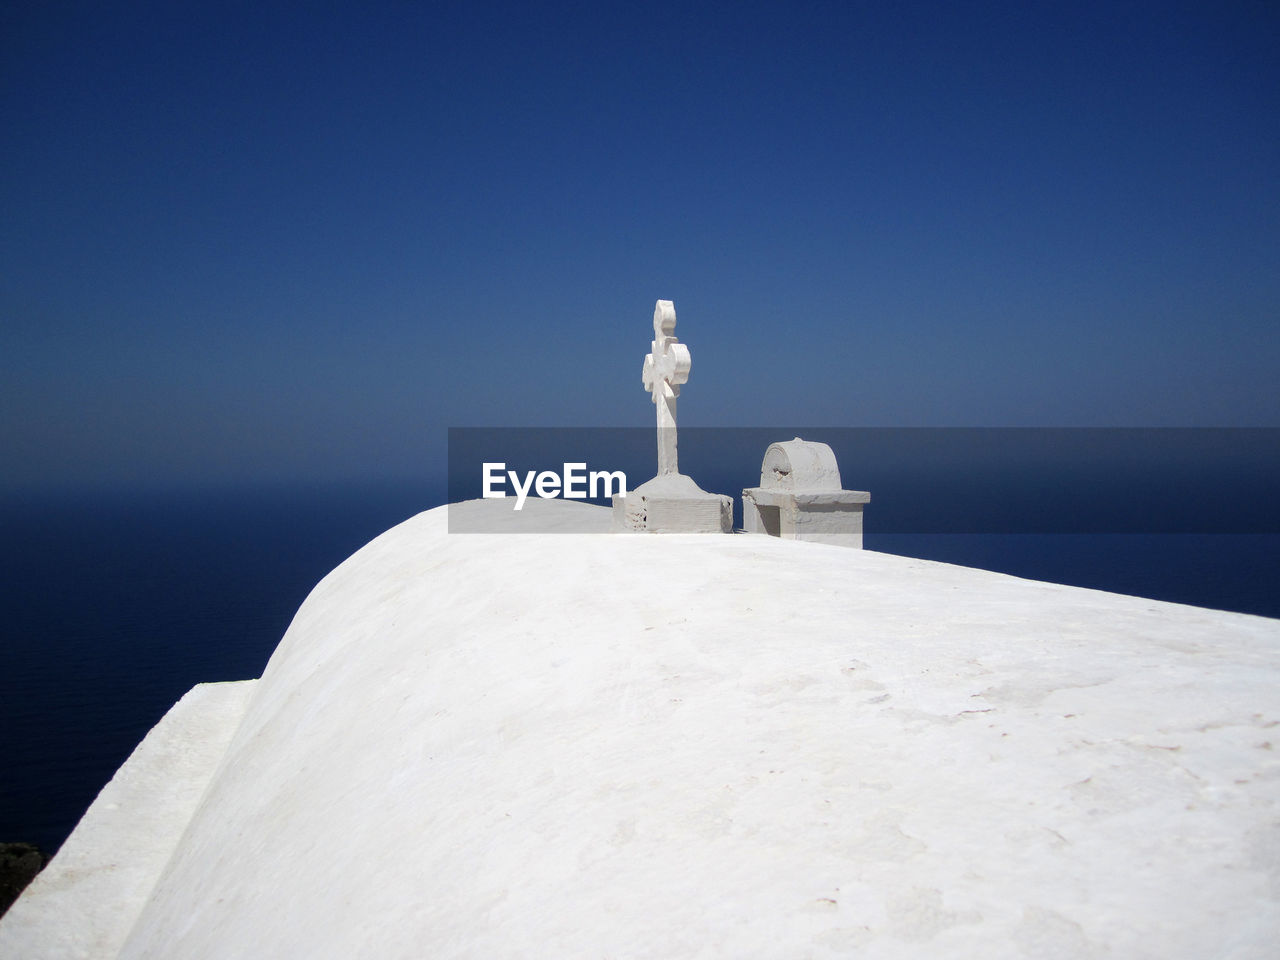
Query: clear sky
column 272, row 241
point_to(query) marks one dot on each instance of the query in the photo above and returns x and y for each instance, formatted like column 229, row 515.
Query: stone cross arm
column 668, row 363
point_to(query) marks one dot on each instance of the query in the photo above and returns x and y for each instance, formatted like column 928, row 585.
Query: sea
column 116, row 603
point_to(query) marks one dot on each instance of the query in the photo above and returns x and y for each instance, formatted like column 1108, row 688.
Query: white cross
column 665, row 368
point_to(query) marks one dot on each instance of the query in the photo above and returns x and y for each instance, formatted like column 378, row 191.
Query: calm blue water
column 114, row 606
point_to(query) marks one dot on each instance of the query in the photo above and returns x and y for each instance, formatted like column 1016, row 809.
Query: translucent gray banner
column 921, row 480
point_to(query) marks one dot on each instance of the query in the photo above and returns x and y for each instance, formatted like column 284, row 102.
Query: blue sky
column 279, row 242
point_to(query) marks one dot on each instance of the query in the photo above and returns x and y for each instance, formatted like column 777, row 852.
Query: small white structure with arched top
column 800, row 498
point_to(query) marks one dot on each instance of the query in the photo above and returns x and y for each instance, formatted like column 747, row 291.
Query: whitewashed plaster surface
column 664, row 747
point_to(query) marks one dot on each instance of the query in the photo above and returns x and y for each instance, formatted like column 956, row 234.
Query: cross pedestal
column 671, row 502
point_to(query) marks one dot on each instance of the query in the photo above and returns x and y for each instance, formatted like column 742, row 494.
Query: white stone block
column 672, row 503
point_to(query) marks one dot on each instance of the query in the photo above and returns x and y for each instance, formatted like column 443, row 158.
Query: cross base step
column 672, row 504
